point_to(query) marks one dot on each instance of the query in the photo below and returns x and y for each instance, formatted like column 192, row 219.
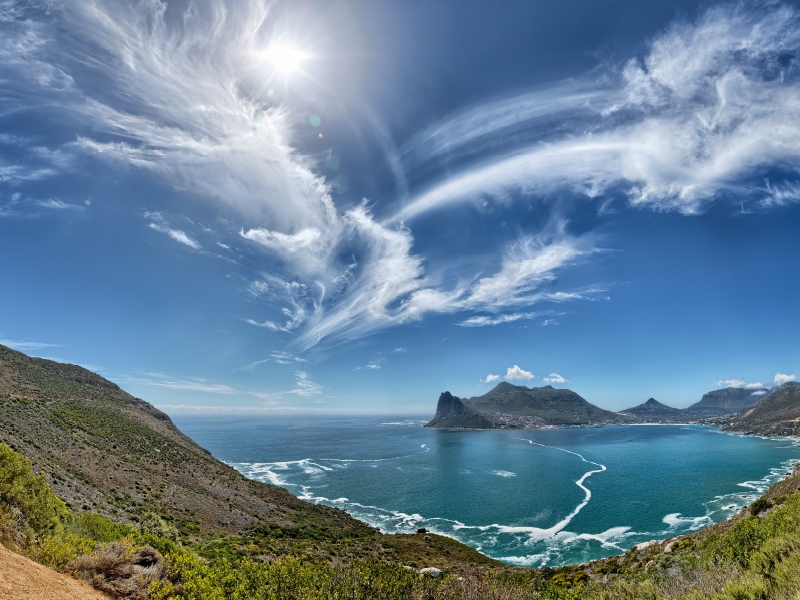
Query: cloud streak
column 709, row 110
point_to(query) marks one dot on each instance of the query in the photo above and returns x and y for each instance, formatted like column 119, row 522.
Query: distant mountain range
column 509, row 406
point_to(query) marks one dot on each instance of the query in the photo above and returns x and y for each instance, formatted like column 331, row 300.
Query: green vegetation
column 755, row 556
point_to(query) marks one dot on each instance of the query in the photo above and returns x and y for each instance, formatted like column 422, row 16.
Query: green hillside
column 108, row 453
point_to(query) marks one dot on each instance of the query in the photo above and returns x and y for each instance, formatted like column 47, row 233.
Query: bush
column 28, row 507
column 760, row 506
column 119, row 571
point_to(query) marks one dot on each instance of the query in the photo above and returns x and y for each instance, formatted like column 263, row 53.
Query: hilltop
column 106, row 452
column 655, row 411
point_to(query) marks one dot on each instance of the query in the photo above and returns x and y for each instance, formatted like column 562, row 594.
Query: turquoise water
column 528, row 498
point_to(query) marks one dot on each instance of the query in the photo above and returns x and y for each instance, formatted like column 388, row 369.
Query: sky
column 343, row 206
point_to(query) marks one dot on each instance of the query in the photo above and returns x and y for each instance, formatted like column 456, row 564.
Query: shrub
column 119, row 571
column 28, row 507
column 760, row 506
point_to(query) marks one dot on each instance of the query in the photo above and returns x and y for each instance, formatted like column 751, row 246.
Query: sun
column 284, row 58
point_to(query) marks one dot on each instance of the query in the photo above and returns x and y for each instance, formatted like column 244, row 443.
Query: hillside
column 546, row 405
column 655, row 411
column 778, row 413
column 727, row 400
column 452, row 414
column 107, row 452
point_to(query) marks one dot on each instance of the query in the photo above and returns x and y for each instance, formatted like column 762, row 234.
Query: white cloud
column 22, row 345
column 781, row 378
column 400, row 350
column 253, row 365
column 175, row 234
column 516, row 374
column 372, row 366
column 284, row 358
column 759, row 393
column 257, row 288
column 193, row 385
column 711, row 108
column 304, row 386
column 547, row 322
column 740, row 383
column 491, row 378
column 485, row 320
column 555, row 378
column 185, row 99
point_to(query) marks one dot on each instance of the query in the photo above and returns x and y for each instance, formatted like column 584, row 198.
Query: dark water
column 525, row 497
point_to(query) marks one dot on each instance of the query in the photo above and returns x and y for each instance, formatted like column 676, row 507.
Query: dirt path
column 23, row 579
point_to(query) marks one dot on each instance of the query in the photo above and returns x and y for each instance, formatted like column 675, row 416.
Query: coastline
column 388, row 524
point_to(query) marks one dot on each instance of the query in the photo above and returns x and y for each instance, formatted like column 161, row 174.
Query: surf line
column 588, row 493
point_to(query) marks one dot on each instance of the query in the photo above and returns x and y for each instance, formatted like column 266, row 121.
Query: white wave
column 690, row 523
column 503, row 473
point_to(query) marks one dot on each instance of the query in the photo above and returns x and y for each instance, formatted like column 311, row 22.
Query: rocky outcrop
column 452, row 413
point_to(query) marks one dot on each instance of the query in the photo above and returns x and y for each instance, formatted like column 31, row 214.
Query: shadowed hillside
column 775, row 414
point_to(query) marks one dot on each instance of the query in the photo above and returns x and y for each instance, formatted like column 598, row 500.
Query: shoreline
column 795, row 465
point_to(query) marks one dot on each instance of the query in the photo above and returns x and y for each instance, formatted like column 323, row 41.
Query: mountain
column 543, row 406
column 452, row 414
column 728, row 400
column 777, row 413
column 106, row 452
column 653, row 409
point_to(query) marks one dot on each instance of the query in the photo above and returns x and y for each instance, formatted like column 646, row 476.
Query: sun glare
column 284, row 58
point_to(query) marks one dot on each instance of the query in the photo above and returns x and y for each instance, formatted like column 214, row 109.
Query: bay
column 528, row 498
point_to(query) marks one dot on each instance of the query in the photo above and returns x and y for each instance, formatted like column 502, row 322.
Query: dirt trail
column 23, row 579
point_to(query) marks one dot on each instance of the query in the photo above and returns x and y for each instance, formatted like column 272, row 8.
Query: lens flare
column 284, row 58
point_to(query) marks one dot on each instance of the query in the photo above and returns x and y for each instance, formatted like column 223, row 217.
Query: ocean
column 528, row 498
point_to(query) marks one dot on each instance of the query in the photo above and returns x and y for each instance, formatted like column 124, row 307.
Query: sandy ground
column 23, row 579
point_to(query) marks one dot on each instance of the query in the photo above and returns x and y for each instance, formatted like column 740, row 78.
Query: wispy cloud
column 517, row 374
column 285, row 358
column 555, row 378
column 303, row 386
column 192, row 385
column 710, row 109
column 25, row 345
column 491, row 378
column 177, row 235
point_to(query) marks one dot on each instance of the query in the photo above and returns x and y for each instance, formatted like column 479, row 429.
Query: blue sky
column 345, row 207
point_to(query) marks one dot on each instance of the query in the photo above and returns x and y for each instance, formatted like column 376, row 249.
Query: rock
column 427, row 538
column 668, row 548
column 644, row 545
column 431, row 572
column 409, row 568
column 422, row 530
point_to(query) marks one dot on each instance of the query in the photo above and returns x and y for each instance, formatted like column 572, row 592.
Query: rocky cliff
column 451, row 413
